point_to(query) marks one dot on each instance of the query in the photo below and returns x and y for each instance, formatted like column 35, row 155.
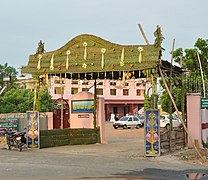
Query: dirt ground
column 136, row 145
column 199, row 156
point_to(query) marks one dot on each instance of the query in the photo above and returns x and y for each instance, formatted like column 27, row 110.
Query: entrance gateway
column 88, row 57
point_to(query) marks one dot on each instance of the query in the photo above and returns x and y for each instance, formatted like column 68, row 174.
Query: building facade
column 120, row 97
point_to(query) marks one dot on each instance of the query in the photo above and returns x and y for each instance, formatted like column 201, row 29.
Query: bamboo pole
column 143, row 34
column 171, row 90
column 202, row 76
column 184, row 126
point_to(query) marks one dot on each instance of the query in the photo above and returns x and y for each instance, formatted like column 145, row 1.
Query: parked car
column 128, row 122
column 141, row 117
column 165, row 121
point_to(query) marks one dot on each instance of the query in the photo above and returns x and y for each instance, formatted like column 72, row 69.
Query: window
column 74, row 90
column 57, row 90
column 126, row 84
column 59, row 81
column 85, row 89
column 112, row 83
column 99, row 91
column 85, row 83
column 138, row 92
column 113, row 92
column 125, row 92
column 74, row 82
column 100, row 83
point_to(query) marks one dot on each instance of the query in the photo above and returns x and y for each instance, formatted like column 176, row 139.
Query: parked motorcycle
column 15, row 139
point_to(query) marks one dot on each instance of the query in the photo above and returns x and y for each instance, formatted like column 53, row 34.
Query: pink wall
column 130, row 84
column 50, row 120
column 81, row 122
column 194, row 118
column 86, row 119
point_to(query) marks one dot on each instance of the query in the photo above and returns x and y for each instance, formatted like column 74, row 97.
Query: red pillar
column 131, row 108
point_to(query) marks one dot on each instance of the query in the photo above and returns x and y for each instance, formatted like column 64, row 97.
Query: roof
column 88, row 53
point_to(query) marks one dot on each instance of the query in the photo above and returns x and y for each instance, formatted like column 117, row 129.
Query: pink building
column 120, row 97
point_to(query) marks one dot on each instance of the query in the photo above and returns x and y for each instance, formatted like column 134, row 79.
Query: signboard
column 33, row 129
column 83, row 115
column 152, row 133
column 84, row 106
column 204, row 103
column 9, row 123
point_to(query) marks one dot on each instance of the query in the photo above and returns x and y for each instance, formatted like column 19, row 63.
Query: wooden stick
column 141, row 30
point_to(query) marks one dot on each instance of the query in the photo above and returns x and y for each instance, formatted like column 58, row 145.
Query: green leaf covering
column 112, row 57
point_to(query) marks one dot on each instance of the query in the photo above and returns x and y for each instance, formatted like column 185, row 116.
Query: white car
column 128, row 122
column 165, row 121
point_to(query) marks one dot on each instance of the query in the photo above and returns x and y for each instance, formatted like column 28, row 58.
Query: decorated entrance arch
column 90, row 57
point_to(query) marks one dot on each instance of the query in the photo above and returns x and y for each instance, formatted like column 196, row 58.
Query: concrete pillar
column 204, row 125
column 194, row 119
column 101, row 120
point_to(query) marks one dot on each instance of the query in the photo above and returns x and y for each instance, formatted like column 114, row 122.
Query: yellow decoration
column 67, row 59
column 140, row 49
column 85, row 50
column 122, row 58
column 103, row 50
column 39, row 61
column 51, row 66
column 84, row 65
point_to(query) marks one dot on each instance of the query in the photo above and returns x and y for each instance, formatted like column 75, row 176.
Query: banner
column 33, row 129
column 9, row 123
column 152, row 133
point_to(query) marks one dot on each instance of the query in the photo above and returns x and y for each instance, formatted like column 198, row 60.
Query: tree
column 44, row 101
column 190, row 63
column 7, row 71
column 16, row 101
column 191, row 79
column 21, row 100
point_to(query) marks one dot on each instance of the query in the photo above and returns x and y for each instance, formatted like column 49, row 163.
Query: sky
column 24, row 23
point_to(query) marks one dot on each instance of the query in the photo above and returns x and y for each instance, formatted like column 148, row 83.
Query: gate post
column 194, row 118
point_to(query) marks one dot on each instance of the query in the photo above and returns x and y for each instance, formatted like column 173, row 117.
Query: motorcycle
column 15, row 139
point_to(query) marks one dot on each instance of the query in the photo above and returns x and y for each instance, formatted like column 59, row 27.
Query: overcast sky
column 24, row 23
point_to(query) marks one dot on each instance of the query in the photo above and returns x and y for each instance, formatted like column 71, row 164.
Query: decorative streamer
column 51, row 66
column 122, row 58
column 103, row 50
column 123, row 79
column 140, row 49
column 39, row 61
column 67, row 59
column 85, row 50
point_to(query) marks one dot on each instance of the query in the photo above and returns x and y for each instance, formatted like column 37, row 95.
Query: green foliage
column 21, row 100
column 165, row 100
column 44, row 101
column 192, row 81
column 147, row 102
column 16, row 100
column 7, row 71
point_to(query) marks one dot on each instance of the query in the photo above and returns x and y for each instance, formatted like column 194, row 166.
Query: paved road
column 121, row 158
